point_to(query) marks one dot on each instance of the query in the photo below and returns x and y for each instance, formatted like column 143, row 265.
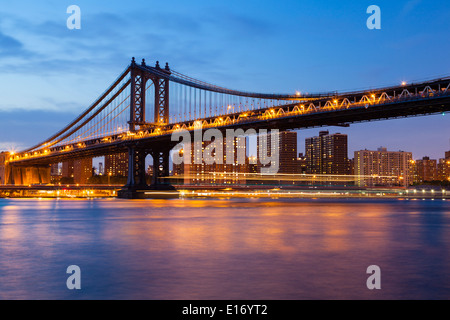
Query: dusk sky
column 49, row 74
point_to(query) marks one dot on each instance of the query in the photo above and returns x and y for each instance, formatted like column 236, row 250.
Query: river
column 257, row 249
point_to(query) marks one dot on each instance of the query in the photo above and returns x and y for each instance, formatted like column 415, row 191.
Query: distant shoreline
column 224, row 192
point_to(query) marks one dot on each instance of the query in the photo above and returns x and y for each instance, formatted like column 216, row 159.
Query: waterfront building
column 116, row 165
column 426, row 170
column 351, row 166
column 382, row 168
column 67, row 170
column 82, row 170
column 327, row 154
column 302, row 164
column 443, row 169
column 287, row 152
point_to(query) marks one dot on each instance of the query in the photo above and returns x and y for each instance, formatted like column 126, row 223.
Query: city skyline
column 383, row 165
column 43, row 49
column 353, row 147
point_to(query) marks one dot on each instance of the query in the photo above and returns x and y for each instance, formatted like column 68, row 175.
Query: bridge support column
column 136, row 168
column 137, row 187
column 161, row 169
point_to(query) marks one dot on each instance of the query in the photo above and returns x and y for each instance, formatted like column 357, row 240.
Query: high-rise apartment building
column 327, row 154
column 67, row 169
column 382, row 168
column 443, row 170
column 426, row 170
column 302, row 164
column 82, row 170
column 287, row 152
column 116, row 165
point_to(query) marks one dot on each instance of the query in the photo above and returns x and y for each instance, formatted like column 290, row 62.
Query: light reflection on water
column 224, row 249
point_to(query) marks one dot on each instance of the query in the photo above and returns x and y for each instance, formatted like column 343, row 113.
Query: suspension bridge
column 146, row 104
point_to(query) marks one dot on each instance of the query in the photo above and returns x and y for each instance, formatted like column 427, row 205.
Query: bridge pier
column 11, row 174
column 30, row 175
column 137, row 187
column 4, row 168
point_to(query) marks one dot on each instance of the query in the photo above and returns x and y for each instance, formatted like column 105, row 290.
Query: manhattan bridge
column 146, row 104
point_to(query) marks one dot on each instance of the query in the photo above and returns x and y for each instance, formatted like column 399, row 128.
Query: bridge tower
column 159, row 152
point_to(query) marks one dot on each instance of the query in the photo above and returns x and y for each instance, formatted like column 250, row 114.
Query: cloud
column 22, row 128
column 48, row 47
column 47, row 104
column 111, row 39
column 11, row 47
column 9, row 43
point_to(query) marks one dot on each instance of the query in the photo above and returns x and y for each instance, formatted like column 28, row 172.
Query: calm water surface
column 224, row 249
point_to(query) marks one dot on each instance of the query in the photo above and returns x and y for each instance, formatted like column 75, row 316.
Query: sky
column 49, row 74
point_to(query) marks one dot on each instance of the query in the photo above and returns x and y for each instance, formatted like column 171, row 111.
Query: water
column 224, row 249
